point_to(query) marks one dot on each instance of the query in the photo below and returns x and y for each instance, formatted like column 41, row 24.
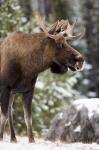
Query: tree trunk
column 91, row 15
column 26, row 7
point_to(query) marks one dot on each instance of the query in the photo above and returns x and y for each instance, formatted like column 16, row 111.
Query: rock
column 78, row 122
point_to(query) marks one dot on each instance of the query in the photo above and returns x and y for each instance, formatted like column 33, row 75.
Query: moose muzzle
column 76, row 63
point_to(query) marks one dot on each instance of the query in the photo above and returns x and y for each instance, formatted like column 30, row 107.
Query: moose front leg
column 4, row 99
column 27, row 102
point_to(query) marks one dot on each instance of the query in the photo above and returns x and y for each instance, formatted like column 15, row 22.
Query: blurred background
column 53, row 92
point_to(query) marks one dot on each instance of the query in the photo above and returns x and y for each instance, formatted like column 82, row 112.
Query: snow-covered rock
column 91, row 104
column 78, row 122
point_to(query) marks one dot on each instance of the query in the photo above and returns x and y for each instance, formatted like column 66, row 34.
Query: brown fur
column 22, row 57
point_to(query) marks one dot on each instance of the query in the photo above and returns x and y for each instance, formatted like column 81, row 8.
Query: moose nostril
column 77, row 66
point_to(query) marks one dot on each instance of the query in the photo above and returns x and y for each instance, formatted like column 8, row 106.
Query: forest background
column 53, row 92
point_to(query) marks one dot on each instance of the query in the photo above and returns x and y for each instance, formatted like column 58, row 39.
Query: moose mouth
column 71, row 68
column 65, row 67
column 58, row 68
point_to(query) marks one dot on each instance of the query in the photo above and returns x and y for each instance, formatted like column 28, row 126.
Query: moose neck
column 40, row 57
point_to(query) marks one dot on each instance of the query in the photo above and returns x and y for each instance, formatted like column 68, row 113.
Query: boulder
column 78, row 122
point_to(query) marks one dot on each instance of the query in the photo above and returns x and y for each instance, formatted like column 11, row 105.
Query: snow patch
column 68, row 124
column 60, row 115
column 77, row 129
column 39, row 85
column 92, row 104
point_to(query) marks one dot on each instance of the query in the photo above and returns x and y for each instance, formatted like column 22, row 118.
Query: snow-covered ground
column 23, row 144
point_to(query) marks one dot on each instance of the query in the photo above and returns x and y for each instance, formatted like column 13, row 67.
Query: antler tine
column 72, row 27
column 42, row 25
column 74, row 24
column 41, row 20
column 69, row 32
column 57, row 26
column 54, row 27
column 65, row 24
column 76, row 37
column 69, row 29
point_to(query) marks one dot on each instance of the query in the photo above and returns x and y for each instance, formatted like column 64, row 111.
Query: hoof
column 14, row 140
column 1, row 138
column 87, row 141
column 31, row 141
column 97, row 141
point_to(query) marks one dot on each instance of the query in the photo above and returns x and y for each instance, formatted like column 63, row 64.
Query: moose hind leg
column 27, row 102
column 13, row 137
column 5, row 94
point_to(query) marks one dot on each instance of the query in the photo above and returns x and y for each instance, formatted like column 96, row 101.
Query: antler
column 70, row 29
column 60, row 29
column 54, row 27
column 42, row 25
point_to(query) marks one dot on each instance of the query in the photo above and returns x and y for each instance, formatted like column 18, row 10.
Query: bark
column 26, row 7
column 91, row 8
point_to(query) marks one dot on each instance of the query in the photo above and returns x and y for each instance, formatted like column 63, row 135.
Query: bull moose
column 24, row 55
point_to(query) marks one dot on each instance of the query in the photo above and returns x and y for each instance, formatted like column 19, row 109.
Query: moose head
column 64, row 55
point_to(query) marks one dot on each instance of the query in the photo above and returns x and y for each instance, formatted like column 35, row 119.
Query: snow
column 77, row 129
column 22, row 144
column 87, row 66
column 60, row 115
column 36, row 30
column 39, row 84
column 68, row 124
column 92, row 104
